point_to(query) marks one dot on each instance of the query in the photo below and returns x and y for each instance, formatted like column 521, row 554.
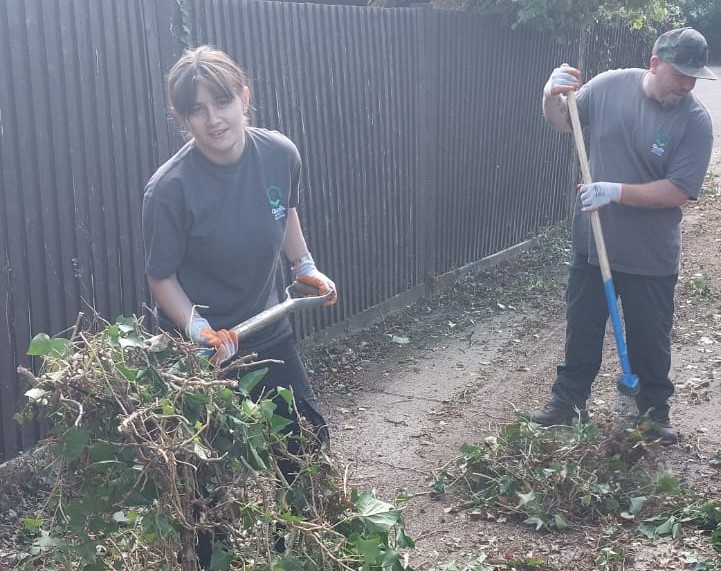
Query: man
column 650, row 144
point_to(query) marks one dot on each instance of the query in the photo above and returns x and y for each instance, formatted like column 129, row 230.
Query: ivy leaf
column 36, row 395
column 201, row 451
column 32, row 525
column 369, row 548
column 158, row 343
column 284, row 564
column 88, row 551
column 278, row 423
column 526, row 498
column 666, row 527
column 46, row 541
column 247, row 382
column 122, row 517
column 257, row 461
column 45, row 346
column 132, row 340
column 126, row 324
column 286, row 395
column 404, row 541
column 74, row 442
column 537, row 521
column 560, row 523
column 376, row 514
column 129, row 374
column 220, row 560
column 637, row 505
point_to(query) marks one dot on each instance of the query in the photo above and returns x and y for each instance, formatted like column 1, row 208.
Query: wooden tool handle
column 586, row 172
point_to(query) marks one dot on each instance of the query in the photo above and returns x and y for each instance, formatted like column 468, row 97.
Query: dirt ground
column 400, row 412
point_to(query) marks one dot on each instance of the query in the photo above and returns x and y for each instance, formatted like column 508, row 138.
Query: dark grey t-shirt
column 634, row 139
column 220, row 229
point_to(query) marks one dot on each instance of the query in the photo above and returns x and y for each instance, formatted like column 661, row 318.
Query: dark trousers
column 291, row 374
column 648, row 305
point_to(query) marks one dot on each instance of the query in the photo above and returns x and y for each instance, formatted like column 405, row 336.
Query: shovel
column 298, row 295
column 627, row 384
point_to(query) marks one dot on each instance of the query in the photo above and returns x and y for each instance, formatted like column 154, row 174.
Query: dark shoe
column 660, row 430
column 556, row 412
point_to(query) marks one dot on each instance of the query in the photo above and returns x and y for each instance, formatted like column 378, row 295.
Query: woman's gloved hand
column 224, row 341
column 304, row 270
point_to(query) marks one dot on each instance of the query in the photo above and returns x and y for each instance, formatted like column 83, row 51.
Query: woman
column 216, row 218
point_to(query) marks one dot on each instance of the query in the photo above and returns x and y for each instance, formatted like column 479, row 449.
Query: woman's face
column 218, row 123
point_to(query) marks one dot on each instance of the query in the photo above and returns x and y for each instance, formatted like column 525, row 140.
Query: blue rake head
column 628, row 385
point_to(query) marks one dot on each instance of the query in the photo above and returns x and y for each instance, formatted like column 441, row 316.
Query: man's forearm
column 656, row 194
column 555, row 110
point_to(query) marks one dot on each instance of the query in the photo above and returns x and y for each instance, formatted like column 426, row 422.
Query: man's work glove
column 304, row 271
column 598, row 194
column 224, row 341
column 561, row 81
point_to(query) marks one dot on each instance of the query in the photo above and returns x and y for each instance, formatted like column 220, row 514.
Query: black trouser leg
column 648, row 305
column 586, row 317
column 292, row 374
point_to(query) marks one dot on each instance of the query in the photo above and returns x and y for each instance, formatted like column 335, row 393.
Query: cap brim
column 698, row 72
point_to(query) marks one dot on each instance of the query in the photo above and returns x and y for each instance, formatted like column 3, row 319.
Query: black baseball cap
column 686, row 50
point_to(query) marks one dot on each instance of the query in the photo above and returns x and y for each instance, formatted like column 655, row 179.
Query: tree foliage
column 564, row 18
column 705, row 16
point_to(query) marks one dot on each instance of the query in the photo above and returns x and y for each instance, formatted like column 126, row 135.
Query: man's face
column 670, row 86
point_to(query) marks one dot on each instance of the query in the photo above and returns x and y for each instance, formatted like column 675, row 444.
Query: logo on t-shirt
column 659, row 147
column 275, row 198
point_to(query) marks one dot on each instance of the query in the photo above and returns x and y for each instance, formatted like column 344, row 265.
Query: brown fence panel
column 498, row 161
column 80, row 98
column 341, row 83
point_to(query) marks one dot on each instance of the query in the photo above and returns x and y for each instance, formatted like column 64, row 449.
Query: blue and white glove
column 598, row 194
column 304, row 271
column 196, row 324
column 561, row 81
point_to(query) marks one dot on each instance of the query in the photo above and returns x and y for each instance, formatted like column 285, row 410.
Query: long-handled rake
column 627, row 384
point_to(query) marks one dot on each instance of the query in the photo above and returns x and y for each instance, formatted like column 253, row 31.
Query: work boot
column 657, row 429
column 556, row 412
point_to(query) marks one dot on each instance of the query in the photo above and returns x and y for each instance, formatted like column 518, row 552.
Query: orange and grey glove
column 224, row 341
column 303, row 270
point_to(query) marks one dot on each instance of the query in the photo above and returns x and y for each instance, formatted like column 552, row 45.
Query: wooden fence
column 421, row 134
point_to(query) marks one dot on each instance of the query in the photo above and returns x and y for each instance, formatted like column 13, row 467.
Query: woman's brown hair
column 224, row 78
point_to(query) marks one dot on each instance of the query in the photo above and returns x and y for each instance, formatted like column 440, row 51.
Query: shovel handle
column 628, row 384
column 586, row 172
